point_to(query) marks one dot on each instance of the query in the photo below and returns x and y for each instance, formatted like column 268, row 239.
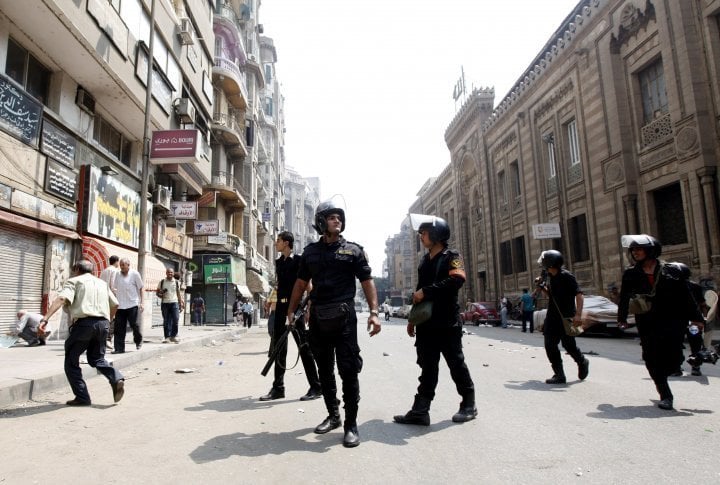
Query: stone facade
column 612, row 129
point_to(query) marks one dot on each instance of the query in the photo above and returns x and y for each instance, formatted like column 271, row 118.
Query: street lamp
column 142, row 234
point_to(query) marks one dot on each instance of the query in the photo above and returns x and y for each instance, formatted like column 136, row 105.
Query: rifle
column 282, row 340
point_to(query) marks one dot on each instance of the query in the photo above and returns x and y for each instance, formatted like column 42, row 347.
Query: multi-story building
column 302, row 196
column 73, row 82
column 612, row 129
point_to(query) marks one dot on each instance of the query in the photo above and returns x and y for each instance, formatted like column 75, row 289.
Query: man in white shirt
column 108, row 276
column 247, row 310
column 129, row 292
column 172, row 302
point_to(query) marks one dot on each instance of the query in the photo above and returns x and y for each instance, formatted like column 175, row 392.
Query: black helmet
column 551, row 259
column 682, row 269
column 437, row 228
column 323, row 210
column 652, row 247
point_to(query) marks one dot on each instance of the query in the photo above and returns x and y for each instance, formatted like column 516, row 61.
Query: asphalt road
column 207, row 425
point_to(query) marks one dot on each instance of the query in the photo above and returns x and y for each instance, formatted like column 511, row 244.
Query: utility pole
column 142, row 235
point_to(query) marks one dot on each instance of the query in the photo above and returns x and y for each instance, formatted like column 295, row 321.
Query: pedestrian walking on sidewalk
column 247, row 312
column 527, row 307
column 440, row 275
column 91, row 305
column 333, row 264
column 129, row 292
column 171, row 305
column 286, row 269
column 565, row 302
column 108, row 276
column 198, row 309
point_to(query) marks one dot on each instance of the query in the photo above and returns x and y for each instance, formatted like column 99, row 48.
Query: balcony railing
column 657, row 131
column 227, row 120
column 220, row 177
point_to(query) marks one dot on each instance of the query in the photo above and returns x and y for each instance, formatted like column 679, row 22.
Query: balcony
column 227, row 76
column 222, row 183
column 234, row 244
column 230, row 133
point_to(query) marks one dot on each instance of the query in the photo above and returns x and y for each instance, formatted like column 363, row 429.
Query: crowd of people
column 314, row 302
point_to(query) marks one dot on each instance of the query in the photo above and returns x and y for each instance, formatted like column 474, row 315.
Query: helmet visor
column 416, row 220
column 636, row 239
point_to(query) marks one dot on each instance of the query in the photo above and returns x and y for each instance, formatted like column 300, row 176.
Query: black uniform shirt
column 440, row 278
column 563, row 288
column 286, row 270
column 333, row 268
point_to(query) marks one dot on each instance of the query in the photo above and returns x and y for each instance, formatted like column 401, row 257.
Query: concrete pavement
column 28, row 371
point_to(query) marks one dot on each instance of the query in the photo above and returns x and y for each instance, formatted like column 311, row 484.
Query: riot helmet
column 651, row 245
column 437, row 228
column 551, row 259
column 332, row 206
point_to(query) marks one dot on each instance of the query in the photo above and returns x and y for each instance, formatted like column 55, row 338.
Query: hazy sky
column 368, row 90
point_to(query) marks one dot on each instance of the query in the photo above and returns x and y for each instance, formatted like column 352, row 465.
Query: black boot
column 275, row 393
column 333, row 420
column 558, row 377
column 351, row 438
column 419, row 414
column 467, row 409
column 583, row 369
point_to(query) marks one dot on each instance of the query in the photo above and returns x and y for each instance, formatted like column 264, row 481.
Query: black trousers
column 430, row 344
column 663, row 355
column 122, row 319
column 87, row 335
column 343, row 346
column 306, row 355
column 553, row 352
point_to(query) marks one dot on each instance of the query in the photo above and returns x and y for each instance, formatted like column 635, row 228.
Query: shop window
column 578, row 238
column 670, row 215
column 27, row 71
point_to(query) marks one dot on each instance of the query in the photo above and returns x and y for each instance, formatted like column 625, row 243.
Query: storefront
column 111, row 226
column 38, row 221
column 219, row 278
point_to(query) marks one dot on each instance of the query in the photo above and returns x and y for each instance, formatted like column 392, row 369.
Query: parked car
column 484, row 312
column 599, row 315
column 400, row 311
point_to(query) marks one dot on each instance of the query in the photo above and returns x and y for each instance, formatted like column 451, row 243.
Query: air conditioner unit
column 85, row 101
column 162, row 197
column 185, row 32
column 185, row 111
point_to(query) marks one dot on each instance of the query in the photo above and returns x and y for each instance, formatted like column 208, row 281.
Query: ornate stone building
column 612, row 129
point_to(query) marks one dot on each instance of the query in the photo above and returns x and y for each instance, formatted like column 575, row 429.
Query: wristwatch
column 375, row 312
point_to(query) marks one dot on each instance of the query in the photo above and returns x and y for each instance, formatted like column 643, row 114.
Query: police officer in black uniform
column 694, row 333
column 286, row 269
column 332, row 263
column 566, row 301
column 440, row 275
column 662, row 328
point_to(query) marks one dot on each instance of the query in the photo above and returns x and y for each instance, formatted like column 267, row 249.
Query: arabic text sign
column 58, row 144
column 207, row 228
column 184, row 210
column 20, row 115
column 549, row 230
column 175, row 146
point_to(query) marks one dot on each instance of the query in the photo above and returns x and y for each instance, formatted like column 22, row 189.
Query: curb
column 27, row 389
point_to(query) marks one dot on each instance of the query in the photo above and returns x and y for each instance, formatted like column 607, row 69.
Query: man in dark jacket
column 286, row 269
column 440, row 275
column 566, row 303
column 662, row 327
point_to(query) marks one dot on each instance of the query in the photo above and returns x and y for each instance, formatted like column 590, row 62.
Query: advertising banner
column 112, row 209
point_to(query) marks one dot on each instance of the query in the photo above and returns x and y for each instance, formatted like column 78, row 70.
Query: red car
column 481, row 312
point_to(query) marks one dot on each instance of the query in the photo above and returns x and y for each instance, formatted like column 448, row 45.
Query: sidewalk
column 28, row 371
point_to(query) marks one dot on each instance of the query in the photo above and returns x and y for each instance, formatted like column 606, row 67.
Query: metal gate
column 22, row 259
